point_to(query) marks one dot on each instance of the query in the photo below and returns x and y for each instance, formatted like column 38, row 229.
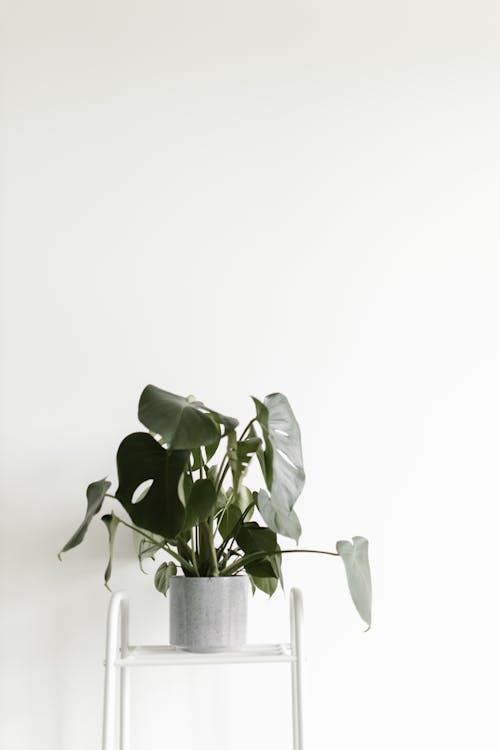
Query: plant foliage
column 181, row 491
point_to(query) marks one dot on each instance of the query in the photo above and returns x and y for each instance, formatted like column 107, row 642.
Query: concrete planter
column 208, row 614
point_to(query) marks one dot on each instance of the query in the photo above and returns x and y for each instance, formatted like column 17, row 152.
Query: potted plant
column 182, row 491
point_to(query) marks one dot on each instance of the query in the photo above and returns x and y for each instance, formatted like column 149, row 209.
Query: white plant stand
column 121, row 657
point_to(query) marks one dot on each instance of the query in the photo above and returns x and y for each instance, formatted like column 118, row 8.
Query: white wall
column 231, row 198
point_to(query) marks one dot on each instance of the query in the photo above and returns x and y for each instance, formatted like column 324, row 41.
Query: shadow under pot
column 208, row 614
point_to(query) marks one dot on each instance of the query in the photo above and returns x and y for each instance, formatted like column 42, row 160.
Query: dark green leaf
column 163, row 576
column 182, row 422
column 140, row 457
column 201, row 502
column 267, row 585
column 263, row 568
column 254, row 538
column 112, row 522
column 95, row 498
column 281, row 463
column 229, row 521
column 212, row 449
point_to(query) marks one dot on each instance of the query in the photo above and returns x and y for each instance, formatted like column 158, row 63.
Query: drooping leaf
column 357, row 567
column 182, row 422
column 141, row 457
column 267, row 585
column 200, row 503
column 95, row 498
column 163, row 576
column 146, row 548
column 112, row 522
column 281, row 462
column 277, row 517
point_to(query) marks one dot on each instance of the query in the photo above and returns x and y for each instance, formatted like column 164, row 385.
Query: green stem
column 224, row 468
column 231, row 540
column 193, row 553
column 255, row 556
column 213, row 553
column 181, row 560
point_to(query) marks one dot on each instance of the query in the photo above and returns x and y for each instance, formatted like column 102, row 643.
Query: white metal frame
column 121, row 656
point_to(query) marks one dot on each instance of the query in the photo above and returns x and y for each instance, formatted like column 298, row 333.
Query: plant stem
column 181, row 560
column 230, row 540
column 193, row 553
column 255, row 556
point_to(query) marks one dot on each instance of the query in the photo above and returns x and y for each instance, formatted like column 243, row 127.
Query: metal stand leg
column 118, row 649
column 124, row 679
column 118, row 609
column 296, row 609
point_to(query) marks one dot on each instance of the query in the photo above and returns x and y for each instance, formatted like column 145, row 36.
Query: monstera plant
column 182, row 490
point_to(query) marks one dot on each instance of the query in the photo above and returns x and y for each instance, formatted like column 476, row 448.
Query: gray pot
column 208, row 614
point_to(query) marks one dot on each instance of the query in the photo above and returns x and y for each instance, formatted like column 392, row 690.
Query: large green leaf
column 200, row 503
column 285, row 521
column 95, row 498
column 160, row 510
column 183, row 423
column 357, row 568
column 112, row 522
column 281, row 462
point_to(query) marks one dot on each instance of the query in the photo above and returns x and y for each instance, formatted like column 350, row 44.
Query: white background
column 233, row 198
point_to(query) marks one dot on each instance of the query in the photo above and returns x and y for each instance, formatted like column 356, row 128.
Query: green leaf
column 95, row 498
column 145, row 548
column 357, row 567
column 254, row 538
column 163, row 576
column 281, row 462
column 212, row 448
column 267, row 585
column 141, row 457
column 182, row 422
column 240, row 453
column 112, row 522
column 265, row 568
column 277, row 517
column 234, row 508
column 200, row 503
column 229, row 520
column 184, row 487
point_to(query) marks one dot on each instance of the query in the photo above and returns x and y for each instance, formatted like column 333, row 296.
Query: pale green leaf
column 357, row 567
